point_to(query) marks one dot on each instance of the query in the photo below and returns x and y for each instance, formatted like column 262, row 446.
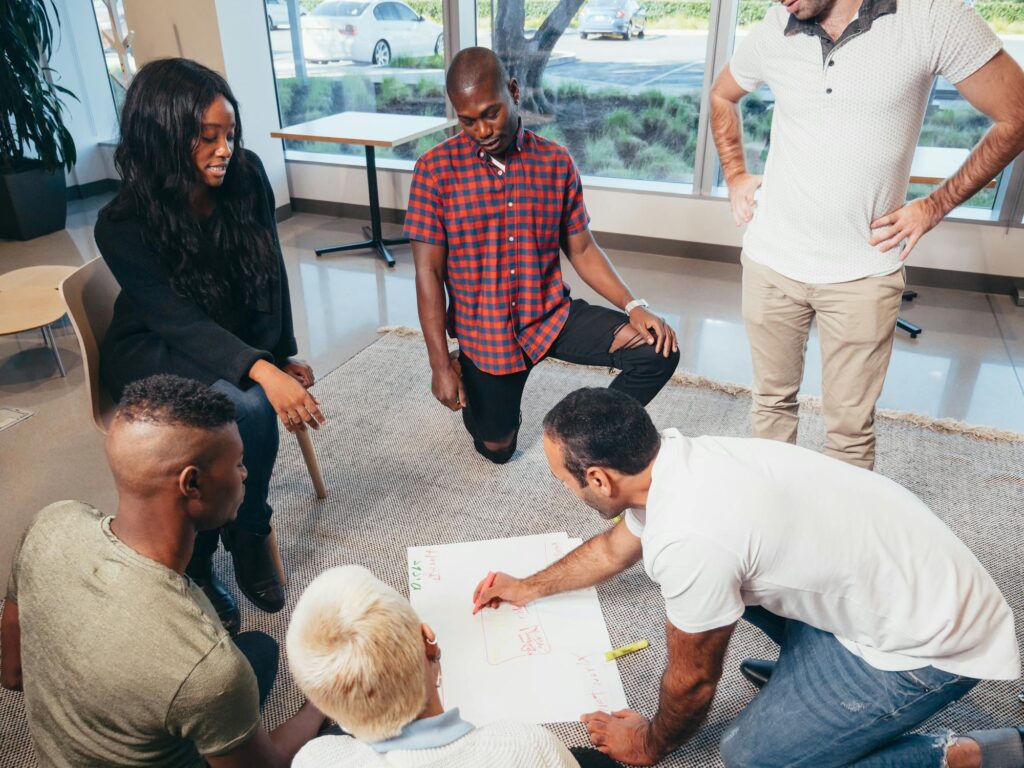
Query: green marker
column 639, row 645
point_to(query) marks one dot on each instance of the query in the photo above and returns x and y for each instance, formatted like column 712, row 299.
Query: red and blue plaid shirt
column 503, row 231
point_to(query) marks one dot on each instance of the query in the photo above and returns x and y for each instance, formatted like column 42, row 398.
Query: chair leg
column 309, row 456
column 52, row 344
column 275, row 554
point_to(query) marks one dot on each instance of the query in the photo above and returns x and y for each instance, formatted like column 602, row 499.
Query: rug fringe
column 947, row 426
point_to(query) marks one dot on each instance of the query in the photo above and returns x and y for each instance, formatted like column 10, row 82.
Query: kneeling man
column 883, row 616
column 489, row 210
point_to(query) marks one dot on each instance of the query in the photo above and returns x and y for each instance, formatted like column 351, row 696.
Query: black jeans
column 492, row 413
column 261, row 651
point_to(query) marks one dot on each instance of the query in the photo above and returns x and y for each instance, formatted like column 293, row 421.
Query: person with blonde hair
column 358, row 651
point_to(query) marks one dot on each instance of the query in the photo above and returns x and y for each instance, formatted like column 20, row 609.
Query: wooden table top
column 365, row 128
column 30, row 297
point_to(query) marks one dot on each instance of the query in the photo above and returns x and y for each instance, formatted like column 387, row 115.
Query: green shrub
column 661, row 163
column 428, row 88
column 654, row 120
column 621, row 120
column 629, row 147
column 433, row 61
column 357, row 94
column 569, row 90
column 599, row 149
column 554, row 132
column 392, row 90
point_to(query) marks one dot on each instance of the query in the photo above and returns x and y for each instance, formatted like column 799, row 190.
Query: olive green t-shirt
column 124, row 661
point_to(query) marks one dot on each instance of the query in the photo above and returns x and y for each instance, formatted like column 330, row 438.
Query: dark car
column 625, row 18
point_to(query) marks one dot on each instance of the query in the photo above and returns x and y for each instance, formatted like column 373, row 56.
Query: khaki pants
column 856, row 323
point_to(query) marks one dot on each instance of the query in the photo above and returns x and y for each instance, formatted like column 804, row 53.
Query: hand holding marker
column 488, row 582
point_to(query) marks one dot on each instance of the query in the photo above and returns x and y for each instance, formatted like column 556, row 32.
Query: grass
column 609, row 131
column 433, row 61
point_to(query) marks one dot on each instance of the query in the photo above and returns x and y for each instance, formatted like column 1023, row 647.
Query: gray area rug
column 401, row 471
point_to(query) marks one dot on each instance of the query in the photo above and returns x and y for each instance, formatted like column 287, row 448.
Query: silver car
column 624, row 18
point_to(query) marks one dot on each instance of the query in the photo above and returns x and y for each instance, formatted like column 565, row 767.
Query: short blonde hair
column 355, row 648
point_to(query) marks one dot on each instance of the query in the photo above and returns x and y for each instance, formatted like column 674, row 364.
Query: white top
column 445, row 741
column 732, row 522
column 378, row 129
column 843, row 135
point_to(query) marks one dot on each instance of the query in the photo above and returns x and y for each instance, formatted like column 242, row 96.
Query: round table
column 30, row 299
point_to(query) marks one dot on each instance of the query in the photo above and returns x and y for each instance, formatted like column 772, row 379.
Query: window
column 116, row 47
column 353, row 56
column 619, row 85
column 405, row 13
column 951, row 128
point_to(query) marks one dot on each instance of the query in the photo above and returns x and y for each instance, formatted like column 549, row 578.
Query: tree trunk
column 526, row 59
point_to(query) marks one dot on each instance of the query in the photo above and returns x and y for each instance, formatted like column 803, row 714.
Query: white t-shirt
column 732, row 522
column 500, row 745
column 843, row 134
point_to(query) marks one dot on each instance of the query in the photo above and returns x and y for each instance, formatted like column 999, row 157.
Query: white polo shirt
column 732, row 522
column 845, row 126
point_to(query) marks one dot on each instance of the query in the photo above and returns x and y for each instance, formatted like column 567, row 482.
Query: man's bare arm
column 727, row 125
column 593, row 265
column 276, row 749
column 687, row 689
column 10, row 646
column 431, row 267
column 727, row 129
column 688, row 685
column 997, row 90
column 593, row 562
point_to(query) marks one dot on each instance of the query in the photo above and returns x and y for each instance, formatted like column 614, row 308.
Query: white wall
column 250, row 72
column 78, row 59
column 962, row 246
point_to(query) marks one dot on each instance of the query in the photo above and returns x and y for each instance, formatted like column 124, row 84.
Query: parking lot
column 671, row 61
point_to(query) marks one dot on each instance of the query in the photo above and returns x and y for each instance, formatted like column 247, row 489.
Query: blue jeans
column 257, row 424
column 825, row 707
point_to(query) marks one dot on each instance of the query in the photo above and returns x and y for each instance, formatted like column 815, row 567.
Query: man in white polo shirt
column 828, row 230
column 883, row 616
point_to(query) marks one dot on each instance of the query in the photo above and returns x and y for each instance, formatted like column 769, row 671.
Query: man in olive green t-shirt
column 121, row 656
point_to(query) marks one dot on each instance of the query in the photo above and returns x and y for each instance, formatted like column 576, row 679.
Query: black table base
column 376, row 241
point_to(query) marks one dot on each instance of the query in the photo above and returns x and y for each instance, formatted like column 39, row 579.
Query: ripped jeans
column 824, row 706
column 592, row 335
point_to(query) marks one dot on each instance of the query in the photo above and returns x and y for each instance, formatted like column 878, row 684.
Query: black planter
column 32, row 202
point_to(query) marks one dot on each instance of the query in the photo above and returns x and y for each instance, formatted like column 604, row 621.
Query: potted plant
column 35, row 146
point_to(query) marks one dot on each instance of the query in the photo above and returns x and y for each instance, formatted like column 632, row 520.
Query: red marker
column 488, row 583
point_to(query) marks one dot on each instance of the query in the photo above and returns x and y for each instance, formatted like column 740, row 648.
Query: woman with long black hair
column 191, row 237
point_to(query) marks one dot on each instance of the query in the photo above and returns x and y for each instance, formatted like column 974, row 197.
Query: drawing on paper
column 512, row 632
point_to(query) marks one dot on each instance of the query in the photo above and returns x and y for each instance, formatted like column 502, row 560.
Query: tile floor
column 967, row 365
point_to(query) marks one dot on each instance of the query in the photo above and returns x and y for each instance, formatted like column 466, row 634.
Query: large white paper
column 542, row 663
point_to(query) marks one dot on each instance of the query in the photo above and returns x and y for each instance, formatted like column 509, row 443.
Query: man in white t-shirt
column 883, row 616
column 829, row 231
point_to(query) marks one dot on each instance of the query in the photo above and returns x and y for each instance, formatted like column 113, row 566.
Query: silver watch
column 636, row 303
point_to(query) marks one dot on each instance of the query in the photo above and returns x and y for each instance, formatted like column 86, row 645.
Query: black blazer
column 155, row 330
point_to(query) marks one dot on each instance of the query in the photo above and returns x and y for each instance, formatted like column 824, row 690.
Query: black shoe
column 757, row 671
column 200, row 570
column 255, row 571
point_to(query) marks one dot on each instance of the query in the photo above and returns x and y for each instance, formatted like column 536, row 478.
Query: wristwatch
column 636, row 303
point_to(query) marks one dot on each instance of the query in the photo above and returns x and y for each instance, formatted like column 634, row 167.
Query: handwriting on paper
column 423, row 567
column 593, row 682
column 512, row 632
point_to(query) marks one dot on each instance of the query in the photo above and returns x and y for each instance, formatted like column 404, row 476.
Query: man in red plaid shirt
column 489, row 210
